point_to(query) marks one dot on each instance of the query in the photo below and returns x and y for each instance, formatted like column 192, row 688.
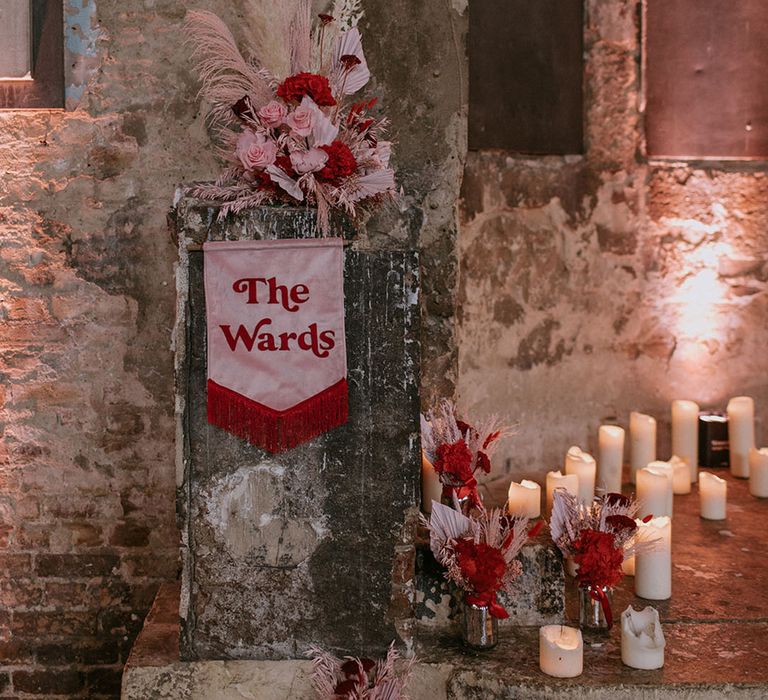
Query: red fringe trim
column 277, row 431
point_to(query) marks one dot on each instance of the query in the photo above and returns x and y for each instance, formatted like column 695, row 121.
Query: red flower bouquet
column 478, row 552
column 457, row 450
column 599, row 536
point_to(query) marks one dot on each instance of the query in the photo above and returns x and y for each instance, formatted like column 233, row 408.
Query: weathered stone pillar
column 284, row 551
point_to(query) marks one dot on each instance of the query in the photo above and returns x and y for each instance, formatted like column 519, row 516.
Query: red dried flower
column 483, row 462
column 616, row 499
column 325, row 19
column 455, row 461
column 349, row 61
column 284, row 163
column 599, row 559
column 346, row 688
column 619, row 523
column 242, row 108
column 293, row 88
column 341, row 163
column 482, row 566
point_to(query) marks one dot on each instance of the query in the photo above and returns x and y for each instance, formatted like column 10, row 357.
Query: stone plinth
column 285, row 551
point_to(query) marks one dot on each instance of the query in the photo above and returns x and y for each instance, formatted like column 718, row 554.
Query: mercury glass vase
column 595, row 610
column 480, row 630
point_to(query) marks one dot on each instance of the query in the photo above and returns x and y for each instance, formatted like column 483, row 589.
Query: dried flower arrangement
column 457, row 450
column 598, row 536
column 359, row 679
column 299, row 138
column 479, row 552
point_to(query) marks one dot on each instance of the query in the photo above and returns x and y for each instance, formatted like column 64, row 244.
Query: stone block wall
column 598, row 284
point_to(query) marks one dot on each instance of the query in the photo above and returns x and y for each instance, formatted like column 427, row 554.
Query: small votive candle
column 741, row 433
column 758, row 472
column 561, row 651
column 558, row 480
column 654, row 490
column 431, row 488
column 712, row 496
column 653, row 566
column 610, row 457
column 685, row 435
column 642, row 441
column 642, row 639
column 524, row 499
column 583, row 466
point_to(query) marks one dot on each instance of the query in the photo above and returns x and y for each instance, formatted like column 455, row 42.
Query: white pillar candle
column 583, row 466
column 685, row 435
column 681, row 471
column 561, row 651
column 758, row 472
column 642, row 441
column 642, row 639
column 557, row 480
column 712, row 496
column 610, row 457
column 654, row 489
column 524, row 499
column 431, row 488
column 653, row 566
column 741, row 433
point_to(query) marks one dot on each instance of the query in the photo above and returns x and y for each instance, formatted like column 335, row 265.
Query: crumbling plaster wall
column 599, row 284
column 86, row 310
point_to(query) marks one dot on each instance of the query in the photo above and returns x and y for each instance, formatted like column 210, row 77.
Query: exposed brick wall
column 87, row 477
column 599, row 284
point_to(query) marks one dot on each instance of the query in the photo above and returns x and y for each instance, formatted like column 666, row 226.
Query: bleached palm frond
column 447, row 524
column 225, row 75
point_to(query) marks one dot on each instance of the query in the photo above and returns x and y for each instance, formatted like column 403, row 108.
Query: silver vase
column 595, row 611
column 480, row 629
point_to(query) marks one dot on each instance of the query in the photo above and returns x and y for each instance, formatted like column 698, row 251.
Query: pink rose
column 309, row 161
column 301, row 120
column 273, row 114
column 255, row 151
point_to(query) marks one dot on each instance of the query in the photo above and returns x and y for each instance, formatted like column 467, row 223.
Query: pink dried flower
column 273, row 114
column 309, row 161
column 255, row 151
column 301, row 120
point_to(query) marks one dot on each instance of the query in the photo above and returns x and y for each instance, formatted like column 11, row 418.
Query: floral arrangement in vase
column 598, row 537
column 458, row 450
column 304, row 137
column 479, row 552
column 353, row 678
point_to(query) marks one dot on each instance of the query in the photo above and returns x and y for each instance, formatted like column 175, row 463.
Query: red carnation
column 341, row 163
column 599, row 559
column 293, row 88
column 455, row 461
column 482, row 566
